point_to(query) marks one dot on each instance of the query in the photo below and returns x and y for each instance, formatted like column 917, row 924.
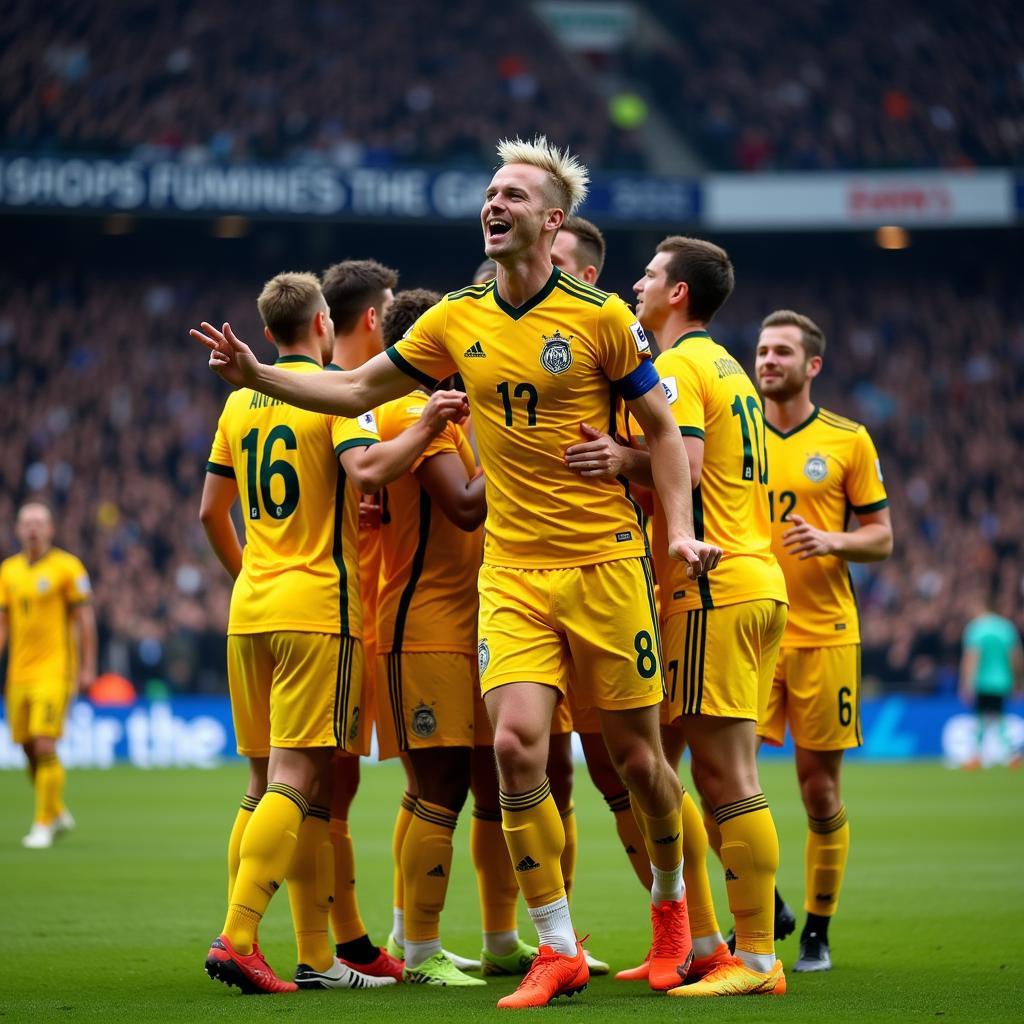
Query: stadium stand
column 108, row 412
column 843, row 85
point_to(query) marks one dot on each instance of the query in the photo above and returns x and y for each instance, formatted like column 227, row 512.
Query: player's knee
column 820, row 793
column 638, row 767
column 518, row 755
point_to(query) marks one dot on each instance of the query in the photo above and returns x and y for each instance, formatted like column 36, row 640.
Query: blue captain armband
column 638, row 382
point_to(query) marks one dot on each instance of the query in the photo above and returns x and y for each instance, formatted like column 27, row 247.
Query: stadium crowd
column 845, row 85
column 116, row 435
column 319, row 82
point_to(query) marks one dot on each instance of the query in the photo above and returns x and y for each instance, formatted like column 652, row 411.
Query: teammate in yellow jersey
column 566, row 595
column 49, row 627
column 358, row 294
column 722, row 632
column 294, row 651
column 823, row 467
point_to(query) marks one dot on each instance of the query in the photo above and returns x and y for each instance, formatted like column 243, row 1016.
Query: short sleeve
column 624, row 351
column 220, row 462
column 422, row 354
column 354, row 431
column 398, row 416
column 865, row 489
column 684, row 386
column 77, row 588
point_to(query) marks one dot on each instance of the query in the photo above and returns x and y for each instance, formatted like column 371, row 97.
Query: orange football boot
column 550, row 975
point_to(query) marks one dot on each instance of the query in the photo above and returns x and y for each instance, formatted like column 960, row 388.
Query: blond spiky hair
column 567, row 172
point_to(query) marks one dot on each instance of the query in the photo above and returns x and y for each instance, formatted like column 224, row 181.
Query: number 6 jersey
column 300, row 563
column 711, row 397
column 533, row 374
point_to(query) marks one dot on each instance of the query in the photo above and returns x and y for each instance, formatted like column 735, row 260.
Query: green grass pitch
column 113, row 923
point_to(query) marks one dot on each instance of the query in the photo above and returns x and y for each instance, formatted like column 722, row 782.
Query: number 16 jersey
column 300, row 563
column 533, row 374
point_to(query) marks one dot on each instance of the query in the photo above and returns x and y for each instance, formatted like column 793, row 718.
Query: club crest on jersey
column 556, row 357
column 815, row 469
column 42, row 585
column 424, row 721
column 483, row 656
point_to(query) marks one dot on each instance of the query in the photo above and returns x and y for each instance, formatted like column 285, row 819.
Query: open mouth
column 498, row 228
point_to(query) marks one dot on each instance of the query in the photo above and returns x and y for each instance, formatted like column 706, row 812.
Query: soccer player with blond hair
column 47, row 621
column 294, row 629
column 824, row 467
column 566, row 591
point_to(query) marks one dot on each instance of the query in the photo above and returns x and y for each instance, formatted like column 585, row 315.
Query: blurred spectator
column 845, row 84
column 324, row 81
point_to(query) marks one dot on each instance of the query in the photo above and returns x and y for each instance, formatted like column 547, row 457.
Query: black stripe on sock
column 486, row 815
column 571, row 809
column 822, row 826
column 446, row 819
column 321, row 813
column 408, row 802
column 525, row 801
column 291, row 794
column 250, row 803
column 733, row 810
column 618, row 801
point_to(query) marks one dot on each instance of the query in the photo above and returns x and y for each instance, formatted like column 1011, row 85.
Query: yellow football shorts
column 295, row 690
column 719, row 661
column 37, row 709
column 368, row 703
column 817, row 691
column 431, row 699
column 593, row 627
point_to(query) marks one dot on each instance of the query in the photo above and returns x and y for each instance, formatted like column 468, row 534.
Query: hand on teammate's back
column 598, row 455
column 700, row 558
column 230, row 357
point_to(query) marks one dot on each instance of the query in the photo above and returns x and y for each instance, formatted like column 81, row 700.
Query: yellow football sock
column 699, row 903
column 266, row 851
column 495, row 876
column 714, row 833
column 426, row 868
column 249, row 804
column 346, row 921
column 535, row 837
column 402, row 821
column 750, row 856
column 631, row 837
column 828, row 846
column 310, row 880
column 569, row 853
column 663, row 838
column 49, row 787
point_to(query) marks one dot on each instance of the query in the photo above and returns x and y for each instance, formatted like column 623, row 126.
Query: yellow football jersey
column 711, row 397
column 300, row 563
column 533, row 374
column 428, row 594
column 38, row 598
column 821, row 470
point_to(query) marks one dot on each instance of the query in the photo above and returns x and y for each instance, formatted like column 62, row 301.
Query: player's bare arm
column 460, row 497
column 346, row 393
column 219, row 494
column 870, row 542
column 374, row 466
column 84, row 618
column 670, row 473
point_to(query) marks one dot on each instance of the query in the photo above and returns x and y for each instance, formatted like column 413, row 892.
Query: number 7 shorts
column 817, row 691
column 593, row 628
column 719, row 661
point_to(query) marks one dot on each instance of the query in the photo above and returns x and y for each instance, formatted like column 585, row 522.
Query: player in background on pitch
column 823, row 467
column 566, row 594
column 294, row 650
column 49, row 627
column 721, row 633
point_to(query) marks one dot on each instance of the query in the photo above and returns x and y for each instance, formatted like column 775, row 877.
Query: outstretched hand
column 230, row 357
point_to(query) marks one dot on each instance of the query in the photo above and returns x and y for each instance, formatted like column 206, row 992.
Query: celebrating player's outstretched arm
column 346, row 393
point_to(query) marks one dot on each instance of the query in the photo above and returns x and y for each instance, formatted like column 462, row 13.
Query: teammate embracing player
column 566, row 593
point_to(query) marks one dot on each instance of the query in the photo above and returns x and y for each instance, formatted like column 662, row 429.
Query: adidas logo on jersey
column 475, row 351
column 436, row 872
column 730, row 876
column 527, row 864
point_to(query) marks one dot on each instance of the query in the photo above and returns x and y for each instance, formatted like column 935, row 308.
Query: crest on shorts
column 424, row 721
column 556, row 356
column 816, row 469
column 483, row 656
column 353, row 729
